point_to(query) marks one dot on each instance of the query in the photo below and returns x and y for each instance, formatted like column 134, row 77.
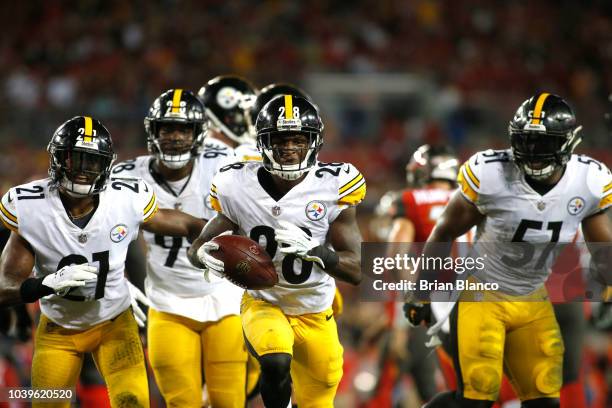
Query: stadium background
column 387, row 75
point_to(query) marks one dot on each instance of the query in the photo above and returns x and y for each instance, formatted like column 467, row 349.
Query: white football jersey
column 173, row 284
column 35, row 212
column 515, row 212
column 312, row 205
column 243, row 152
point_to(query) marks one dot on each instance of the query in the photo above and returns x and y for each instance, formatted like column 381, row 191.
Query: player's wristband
column 33, row 289
column 330, row 258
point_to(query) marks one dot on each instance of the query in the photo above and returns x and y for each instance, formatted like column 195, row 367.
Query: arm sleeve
column 601, row 187
column 220, row 199
column 352, row 187
column 469, row 179
column 146, row 204
column 8, row 211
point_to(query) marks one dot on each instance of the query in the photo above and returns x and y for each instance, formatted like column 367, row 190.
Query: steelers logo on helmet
column 543, row 135
column 227, row 102
column 228, row 97
column 289, row 136
column 175, row 127
column 81, row 155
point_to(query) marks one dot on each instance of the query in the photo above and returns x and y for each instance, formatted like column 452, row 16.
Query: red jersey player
column 431, row 175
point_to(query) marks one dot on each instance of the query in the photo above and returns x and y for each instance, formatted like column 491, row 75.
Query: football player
column 227, row 101
column 200, row 318
column 266, row 94
column 535, row 192
column 73, row 230
column 431, row 175
column 303, row 212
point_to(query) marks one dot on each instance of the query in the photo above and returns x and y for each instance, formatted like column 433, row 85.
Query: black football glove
column 417, row 312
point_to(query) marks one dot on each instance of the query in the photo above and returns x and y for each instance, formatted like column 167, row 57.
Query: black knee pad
column 275, row 366
column 541, row 403
column 275, row 379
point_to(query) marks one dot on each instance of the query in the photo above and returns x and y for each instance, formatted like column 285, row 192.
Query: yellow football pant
column 338, row 303
column 117, row 351
column 311, row 340
column 178, row 346
column 253, row 372
column 522, row 337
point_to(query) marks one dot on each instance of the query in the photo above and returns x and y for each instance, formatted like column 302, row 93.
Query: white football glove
column 71, row 276
column 297, row 241
column 211, row 263
column 87, row 291
column 137, row 296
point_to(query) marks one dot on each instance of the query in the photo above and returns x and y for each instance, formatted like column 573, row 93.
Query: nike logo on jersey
column 329, row 317
column 146, row 189
column 347, row 169
column 9, row 198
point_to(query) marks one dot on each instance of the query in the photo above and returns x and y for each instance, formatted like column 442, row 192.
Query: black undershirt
column 267, row 183
column 161, row 181
column 542, row 188
column 82, row 222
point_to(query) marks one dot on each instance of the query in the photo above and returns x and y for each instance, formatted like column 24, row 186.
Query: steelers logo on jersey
column 575, row 206
column 315, row 210
column 118, row 233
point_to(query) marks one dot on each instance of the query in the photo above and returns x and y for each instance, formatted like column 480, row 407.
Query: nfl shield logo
column 276, row 210
column 82, row 238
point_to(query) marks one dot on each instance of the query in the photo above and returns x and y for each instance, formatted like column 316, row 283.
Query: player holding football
column 73, row 229
column 535, row 192
column 303, row 212
column 194, row 325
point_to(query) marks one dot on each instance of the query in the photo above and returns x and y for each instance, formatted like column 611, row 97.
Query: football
column 247, row 264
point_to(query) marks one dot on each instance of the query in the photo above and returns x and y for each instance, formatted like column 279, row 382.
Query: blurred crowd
column 110, row 59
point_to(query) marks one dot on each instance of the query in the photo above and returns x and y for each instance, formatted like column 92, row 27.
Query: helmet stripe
column 176, row 100
column 288, row 107
column 88, row 129
column 537, row 111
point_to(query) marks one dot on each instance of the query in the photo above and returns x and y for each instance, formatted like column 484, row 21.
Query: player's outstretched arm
column 174, row 223
column 457, row 218
column 16, row 265
column 598, row 230
column 215, row 226
column 345, row 237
